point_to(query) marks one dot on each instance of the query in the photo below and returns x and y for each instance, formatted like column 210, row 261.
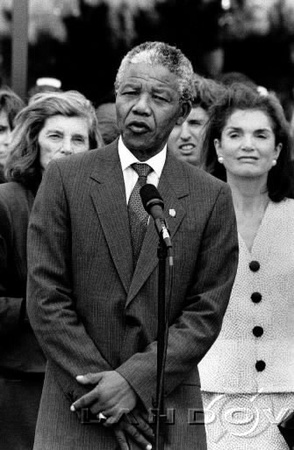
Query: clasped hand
column 111, row 395
column 114, row 397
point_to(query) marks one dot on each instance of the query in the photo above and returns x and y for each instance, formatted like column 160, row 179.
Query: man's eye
column 3, row 129
column 160, row 98
column 129, row 93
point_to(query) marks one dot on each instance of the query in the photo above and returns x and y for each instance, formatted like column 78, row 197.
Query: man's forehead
column 150, row 73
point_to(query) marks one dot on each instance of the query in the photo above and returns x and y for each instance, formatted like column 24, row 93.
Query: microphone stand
column 164, row 251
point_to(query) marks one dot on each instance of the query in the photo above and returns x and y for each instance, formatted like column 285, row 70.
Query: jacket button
column 254, row 266
column 257, row 331
column 260, row 365
column 256, row 297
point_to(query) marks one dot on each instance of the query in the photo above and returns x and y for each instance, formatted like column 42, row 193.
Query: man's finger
column 89, row 378
column 85, row 401
column 111, row 421
column 114, row 416
column 135, row 435
column 121, row 438
column 141, row 424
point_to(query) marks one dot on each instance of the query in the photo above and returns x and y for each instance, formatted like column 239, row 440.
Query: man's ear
column 185, row 111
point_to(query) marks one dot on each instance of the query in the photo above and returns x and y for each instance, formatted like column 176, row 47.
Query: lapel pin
column 172, row 212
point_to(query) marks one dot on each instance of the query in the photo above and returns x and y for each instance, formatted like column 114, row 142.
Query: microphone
column 153, row 204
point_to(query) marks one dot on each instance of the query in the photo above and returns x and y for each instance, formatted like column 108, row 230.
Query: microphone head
column 150, row 197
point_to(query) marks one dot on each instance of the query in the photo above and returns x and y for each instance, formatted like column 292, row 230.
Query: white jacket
column 255, row 349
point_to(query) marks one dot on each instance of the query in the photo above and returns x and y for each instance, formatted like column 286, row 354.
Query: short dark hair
column 207, row 92
column 242, row 97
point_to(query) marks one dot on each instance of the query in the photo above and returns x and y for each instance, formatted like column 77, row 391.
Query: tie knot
column 142, row 170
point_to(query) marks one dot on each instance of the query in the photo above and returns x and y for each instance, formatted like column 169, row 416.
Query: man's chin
column 136, row 142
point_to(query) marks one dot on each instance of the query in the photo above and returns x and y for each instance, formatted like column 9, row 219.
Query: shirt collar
column 127, row 158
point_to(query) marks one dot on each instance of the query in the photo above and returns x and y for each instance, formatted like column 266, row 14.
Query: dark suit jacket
column 91, row 313
column 19, row 350
column 22, row 362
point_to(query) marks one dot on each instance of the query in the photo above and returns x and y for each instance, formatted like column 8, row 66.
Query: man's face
column 185, row 141
column 148, row 106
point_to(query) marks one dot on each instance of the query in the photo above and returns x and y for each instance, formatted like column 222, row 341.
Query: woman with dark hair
column 53, row 125
column 247, row 376
column 243, row 98
column 10, row 105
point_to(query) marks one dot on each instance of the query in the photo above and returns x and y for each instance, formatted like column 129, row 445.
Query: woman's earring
column 274, row 163
column 220, row 159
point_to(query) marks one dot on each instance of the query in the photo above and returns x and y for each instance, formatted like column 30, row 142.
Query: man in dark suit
column 93, row 306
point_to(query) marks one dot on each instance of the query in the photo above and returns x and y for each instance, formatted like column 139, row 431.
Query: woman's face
column 62, row 136
column 185, row 140
column 5, row 136
column 247, row 144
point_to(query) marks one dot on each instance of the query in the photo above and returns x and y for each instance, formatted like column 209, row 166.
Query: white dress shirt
column 130, row 175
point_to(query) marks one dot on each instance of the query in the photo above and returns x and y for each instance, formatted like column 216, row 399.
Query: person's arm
column 50, row 303
column 12, row 307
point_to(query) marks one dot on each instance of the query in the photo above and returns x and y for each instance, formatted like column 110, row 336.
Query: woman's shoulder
column 285, row 206
column 12, row 189
column 15, row 196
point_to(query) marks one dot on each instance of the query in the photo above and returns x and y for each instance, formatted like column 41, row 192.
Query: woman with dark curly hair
column 247, row 376
column 53, row 125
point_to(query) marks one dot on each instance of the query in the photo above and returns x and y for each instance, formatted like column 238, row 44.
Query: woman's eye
column 79, row 140
column 55, row 136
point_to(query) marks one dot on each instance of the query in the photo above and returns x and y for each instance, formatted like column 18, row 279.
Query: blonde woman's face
column 62, row 136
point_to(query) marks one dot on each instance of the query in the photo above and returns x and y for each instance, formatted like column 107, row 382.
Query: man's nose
column 185, row 133
column 142, row 105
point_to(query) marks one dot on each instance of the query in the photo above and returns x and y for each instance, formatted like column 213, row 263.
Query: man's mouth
column 138, row 127
column 187, row 148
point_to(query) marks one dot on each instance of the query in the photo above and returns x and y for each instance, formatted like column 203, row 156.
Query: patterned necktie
column 138, row 217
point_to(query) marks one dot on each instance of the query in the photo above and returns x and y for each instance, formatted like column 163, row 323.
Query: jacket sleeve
column 11, row 305
column 50, row 300
column 199, row 322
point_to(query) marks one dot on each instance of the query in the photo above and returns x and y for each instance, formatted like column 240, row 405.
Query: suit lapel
column 108, row 195
column 172, row 187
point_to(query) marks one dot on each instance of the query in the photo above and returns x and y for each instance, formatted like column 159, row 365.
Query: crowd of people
column 79, row 262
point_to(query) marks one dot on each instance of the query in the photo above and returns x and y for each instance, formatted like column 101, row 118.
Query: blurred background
column 81, row 42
